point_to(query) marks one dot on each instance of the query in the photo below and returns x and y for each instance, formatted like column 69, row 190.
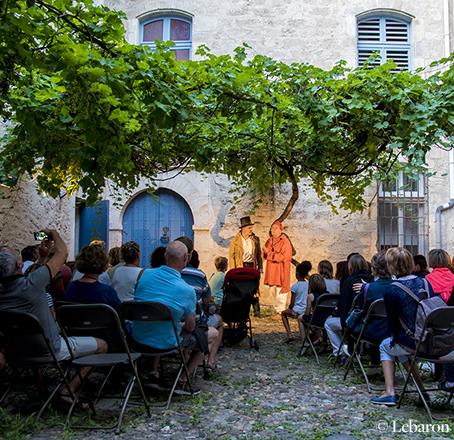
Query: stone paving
column 273, row 394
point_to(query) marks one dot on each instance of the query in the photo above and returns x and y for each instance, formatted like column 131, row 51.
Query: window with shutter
column 401, row 204
column 176, row 29
column 388, row 38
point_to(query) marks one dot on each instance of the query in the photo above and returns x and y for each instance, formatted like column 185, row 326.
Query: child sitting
column 298, row 302
column 217, row 279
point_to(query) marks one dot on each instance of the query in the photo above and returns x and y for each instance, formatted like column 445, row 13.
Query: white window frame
column 178, row 44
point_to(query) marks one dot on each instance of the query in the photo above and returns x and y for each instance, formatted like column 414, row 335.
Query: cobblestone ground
column 272, row 393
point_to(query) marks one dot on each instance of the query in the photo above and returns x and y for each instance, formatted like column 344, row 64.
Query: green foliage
column 86, row 106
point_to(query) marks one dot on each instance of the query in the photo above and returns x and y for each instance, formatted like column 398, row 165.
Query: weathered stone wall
column 320, row 32
column 24, row 211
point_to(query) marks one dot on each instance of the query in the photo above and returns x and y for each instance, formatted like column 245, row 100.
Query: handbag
column 355, row 316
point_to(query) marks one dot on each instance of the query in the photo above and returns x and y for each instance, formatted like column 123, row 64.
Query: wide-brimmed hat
column 245, row 221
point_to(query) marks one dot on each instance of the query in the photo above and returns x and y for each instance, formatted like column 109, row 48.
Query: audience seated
column 377, row 330
column 91, row 262
column 400, row 307
column 114, row 256
column 420, row 266
column 341, row 272
column 317, row 287
column 29, row 256
column 441, row 278
column 103, row 277
column 325, row 269
column 165, row 285
column 206, row 310
column 124, row 278
column 217, row 279
column 26, row 293
column 358, row 272
column 298, row 300
column 157, row 258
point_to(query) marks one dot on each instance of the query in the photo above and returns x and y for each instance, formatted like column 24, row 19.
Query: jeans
column 334, row 331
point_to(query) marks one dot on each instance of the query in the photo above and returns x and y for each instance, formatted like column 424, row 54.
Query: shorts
column 390, row 352
column 214, row 321
column 80, row 346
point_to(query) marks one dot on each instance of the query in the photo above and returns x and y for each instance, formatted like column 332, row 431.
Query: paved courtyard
column 272, row 394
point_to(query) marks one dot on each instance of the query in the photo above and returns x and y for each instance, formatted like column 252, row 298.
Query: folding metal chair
column 437, row 321
column 376, row 311
column 100, row 317
column 346, row 332
column 18, row 326
column 148, row 311
column 324, row 307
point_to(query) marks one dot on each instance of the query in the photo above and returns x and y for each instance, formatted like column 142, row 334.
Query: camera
column 40, row 236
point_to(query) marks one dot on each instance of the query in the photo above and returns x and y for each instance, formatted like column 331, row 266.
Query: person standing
column 245, row 251
column 245, row 247
column 278, row 255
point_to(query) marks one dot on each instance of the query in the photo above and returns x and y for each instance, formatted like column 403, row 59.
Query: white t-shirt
column 300, row 289
column 332, row 285
column 124, row 281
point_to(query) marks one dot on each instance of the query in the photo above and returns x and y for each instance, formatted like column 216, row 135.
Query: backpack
column 434, row 342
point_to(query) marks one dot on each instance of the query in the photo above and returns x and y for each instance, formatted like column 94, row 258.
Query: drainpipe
column 450, row 203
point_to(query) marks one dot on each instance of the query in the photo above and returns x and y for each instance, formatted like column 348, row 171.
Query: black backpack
column 434, row 342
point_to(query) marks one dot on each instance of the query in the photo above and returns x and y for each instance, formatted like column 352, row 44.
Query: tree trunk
column 294, row 197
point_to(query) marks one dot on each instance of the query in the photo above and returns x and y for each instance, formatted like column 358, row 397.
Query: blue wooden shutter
column 94, row 223
column 389, row 37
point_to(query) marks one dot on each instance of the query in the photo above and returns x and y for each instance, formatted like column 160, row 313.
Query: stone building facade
column 320, row 32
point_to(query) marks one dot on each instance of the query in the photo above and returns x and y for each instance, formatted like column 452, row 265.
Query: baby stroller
column 240, row 292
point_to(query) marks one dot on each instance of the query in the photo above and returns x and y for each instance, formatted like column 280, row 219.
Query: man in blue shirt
column 165, row 285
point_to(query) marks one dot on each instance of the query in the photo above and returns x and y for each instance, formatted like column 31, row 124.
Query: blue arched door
column 155, row 220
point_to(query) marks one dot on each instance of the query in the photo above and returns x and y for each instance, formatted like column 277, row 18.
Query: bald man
column 165, row 285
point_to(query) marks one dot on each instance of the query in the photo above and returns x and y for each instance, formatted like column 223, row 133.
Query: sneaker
column 183, row 390
column 443, row 386
column 343, row 360
column 384, row 400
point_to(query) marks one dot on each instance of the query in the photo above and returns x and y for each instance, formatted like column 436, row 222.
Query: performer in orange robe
column 278, row 255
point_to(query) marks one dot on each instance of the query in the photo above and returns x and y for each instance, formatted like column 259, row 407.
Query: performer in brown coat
column 245, row 247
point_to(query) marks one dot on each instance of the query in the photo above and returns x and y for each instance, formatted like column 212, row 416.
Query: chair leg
column 101, row 388
column 363, row 371
column 128, row 391
column 180, row 370
column 421, row 396
column 142, row 392
column 413, row 360
column 353, row 355
column 306, row 337
column 314, row 351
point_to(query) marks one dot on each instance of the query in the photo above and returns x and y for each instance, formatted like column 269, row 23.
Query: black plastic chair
column 100, row 317
column 438, row 320
column 324, row 307
column 148, row 311
column 375, row 311
column 16, row 327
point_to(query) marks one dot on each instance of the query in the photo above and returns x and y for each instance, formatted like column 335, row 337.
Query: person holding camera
column 26, row 293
